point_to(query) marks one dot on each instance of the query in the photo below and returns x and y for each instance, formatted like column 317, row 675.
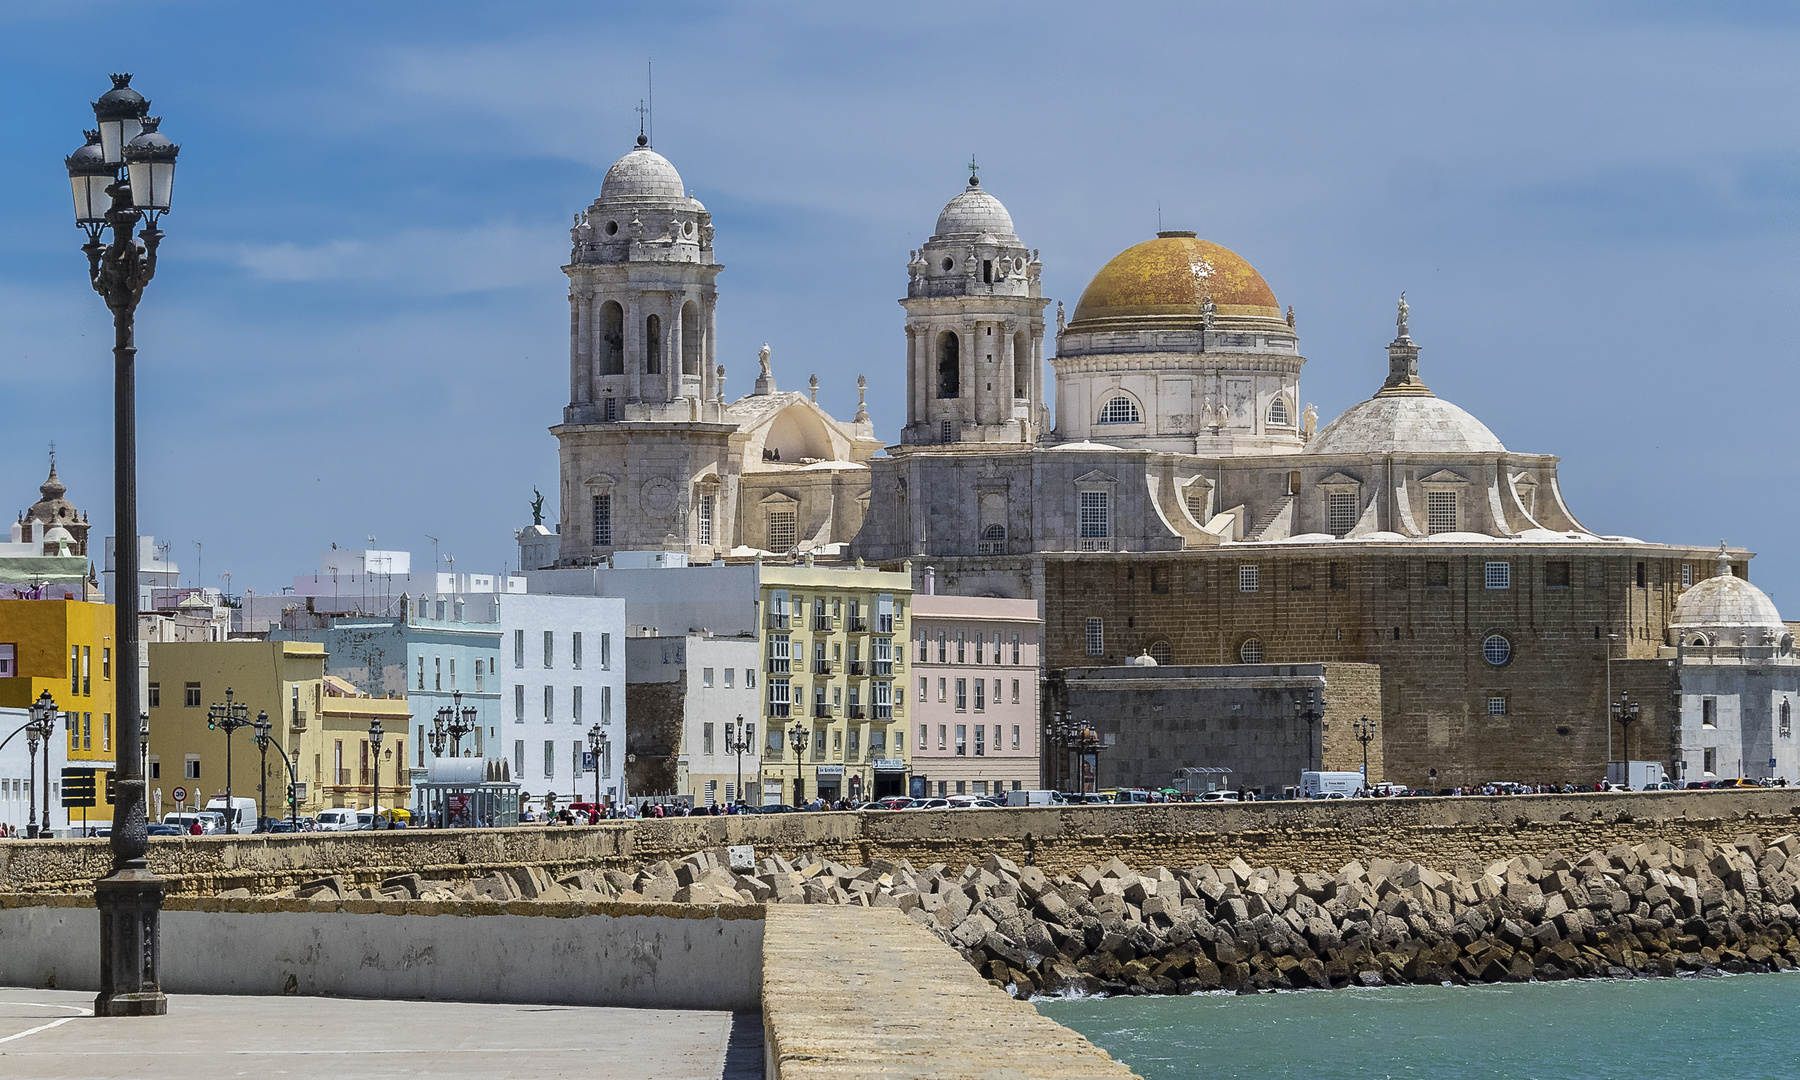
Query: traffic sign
column 180, row 794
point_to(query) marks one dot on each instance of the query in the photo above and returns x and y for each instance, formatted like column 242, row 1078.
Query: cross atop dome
column 974, row 176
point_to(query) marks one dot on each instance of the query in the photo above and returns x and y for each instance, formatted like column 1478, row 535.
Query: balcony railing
column 858, row 668
column 822, row 712
column 884, row 667
column 884, row 712
column 821, row 622
column 857, row 713
column 780, row 708
column 859, row 625
column 1096, row 543
column 778, row 620
column 824, row 667
column 778, row 666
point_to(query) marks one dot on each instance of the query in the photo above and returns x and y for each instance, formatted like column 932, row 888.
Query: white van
column 1031, row 797
column 240, row 814
column 335, row 820
column 1319, row 785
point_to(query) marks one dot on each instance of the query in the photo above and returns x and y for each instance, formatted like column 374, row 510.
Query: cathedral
column 1183, row 509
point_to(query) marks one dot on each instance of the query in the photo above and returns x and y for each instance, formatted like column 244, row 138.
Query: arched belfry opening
column 690, row 338
column 949, row 365
column 612, row 337
column 1021, row 366
column 653, row 345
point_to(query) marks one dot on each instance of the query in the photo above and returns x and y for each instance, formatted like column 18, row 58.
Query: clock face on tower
column 659, row 497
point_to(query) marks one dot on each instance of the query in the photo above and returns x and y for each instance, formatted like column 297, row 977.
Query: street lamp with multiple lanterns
column 123, row 175
column 596, row 741
column 740, row 739
column 375, row 734
column 1307, row 709
column 228, row 717
column 1624, row 714
column 451, row 723
column 40, row 726
column 1079, row 739
column 261, row 729
column 1363, row 731
column 798, row 737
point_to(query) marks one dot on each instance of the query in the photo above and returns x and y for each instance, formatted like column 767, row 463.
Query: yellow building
column 187, row 678
column 833, row 649
column 341, row 772
column 65, row 647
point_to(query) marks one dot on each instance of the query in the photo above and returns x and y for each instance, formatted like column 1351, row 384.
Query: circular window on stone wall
column 612, row 228
column 1251, row 651
column 1496, row 650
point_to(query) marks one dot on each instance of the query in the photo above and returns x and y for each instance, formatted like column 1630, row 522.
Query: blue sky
column 359, row 327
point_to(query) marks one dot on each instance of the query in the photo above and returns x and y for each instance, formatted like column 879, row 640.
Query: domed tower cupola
column 974, row 328
column 1726, row 611
column 55, row 511
column 641, row 298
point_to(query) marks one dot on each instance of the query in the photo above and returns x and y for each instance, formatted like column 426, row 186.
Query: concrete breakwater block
column 1651, row 908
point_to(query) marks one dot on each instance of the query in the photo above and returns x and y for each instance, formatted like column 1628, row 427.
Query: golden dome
column 1161, row 283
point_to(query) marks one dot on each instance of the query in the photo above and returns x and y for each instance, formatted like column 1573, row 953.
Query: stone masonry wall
column 1300, row 836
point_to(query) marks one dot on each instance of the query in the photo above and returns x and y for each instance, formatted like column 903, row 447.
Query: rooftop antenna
column 434, row 552
column 650, row 89
column 1159, row 216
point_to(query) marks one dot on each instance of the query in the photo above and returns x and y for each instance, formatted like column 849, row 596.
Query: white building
column 19, row 785
column 692, row 697
column 563, row 671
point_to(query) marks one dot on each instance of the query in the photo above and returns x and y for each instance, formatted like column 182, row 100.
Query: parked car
column 930, row 804
column 774, row 808
column 891, row 802
column 1219, row 796
column 156, row 828
column 1737, row 782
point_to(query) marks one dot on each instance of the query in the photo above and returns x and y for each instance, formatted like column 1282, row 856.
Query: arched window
column 1698, row 641
column 993, row 541
column 1021, row 367
column 1787, row 718
column 612, row 338
column 949, row 365
column 653, row 345
column 1250, row 652
column 1159, row 652
column 1279, row 413
column 1121, row 410
column 690, row 339
column 1496, row 650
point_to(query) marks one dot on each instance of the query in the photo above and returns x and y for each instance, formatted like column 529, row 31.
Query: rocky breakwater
column 1646, row 909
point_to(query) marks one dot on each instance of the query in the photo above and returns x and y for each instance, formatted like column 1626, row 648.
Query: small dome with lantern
column 1726, row 610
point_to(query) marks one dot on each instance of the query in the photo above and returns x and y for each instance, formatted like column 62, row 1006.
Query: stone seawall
column 1298, row 836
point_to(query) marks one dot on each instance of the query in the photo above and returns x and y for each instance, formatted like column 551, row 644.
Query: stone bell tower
column 642, row 299
column 974, row 329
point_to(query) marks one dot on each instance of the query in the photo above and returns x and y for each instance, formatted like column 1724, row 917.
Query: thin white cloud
column 415, row 261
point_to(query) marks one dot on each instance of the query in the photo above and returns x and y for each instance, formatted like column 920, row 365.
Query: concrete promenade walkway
column 51, row 1035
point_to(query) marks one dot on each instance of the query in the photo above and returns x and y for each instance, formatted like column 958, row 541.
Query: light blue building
column 440, row 647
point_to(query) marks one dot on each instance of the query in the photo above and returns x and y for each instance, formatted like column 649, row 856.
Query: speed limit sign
column 180, row 794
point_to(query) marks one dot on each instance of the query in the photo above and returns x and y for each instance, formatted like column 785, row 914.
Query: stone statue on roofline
column 537, row 506
column 1400, row 319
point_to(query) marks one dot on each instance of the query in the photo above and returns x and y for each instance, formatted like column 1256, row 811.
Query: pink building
column 975, row 681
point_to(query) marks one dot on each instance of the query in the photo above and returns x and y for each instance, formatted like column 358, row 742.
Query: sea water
column 1730, row 1028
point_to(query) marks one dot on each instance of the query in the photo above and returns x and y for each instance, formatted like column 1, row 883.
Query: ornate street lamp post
column 596, row 741
column 452, row 722
column 40, row 726
column 261, row 730
column 1307, row 709
column 123, row 175
column 1625, row 713
column 797, row 738
column 230, row 716
column 740, row 738
column 1081, row 740
column 375, row 734
column 1364, row 732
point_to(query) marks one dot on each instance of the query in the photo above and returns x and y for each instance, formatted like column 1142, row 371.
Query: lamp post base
column 130, row 902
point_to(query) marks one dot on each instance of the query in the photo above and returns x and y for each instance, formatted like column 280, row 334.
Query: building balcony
column 823, row 712
column 823, row 623
column 779, row 667
column 858, row 668
column 1095, row 543
column 884, row 712
column 884, row 668
column 859, row 625
column 858, row 713
column 824, row 667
